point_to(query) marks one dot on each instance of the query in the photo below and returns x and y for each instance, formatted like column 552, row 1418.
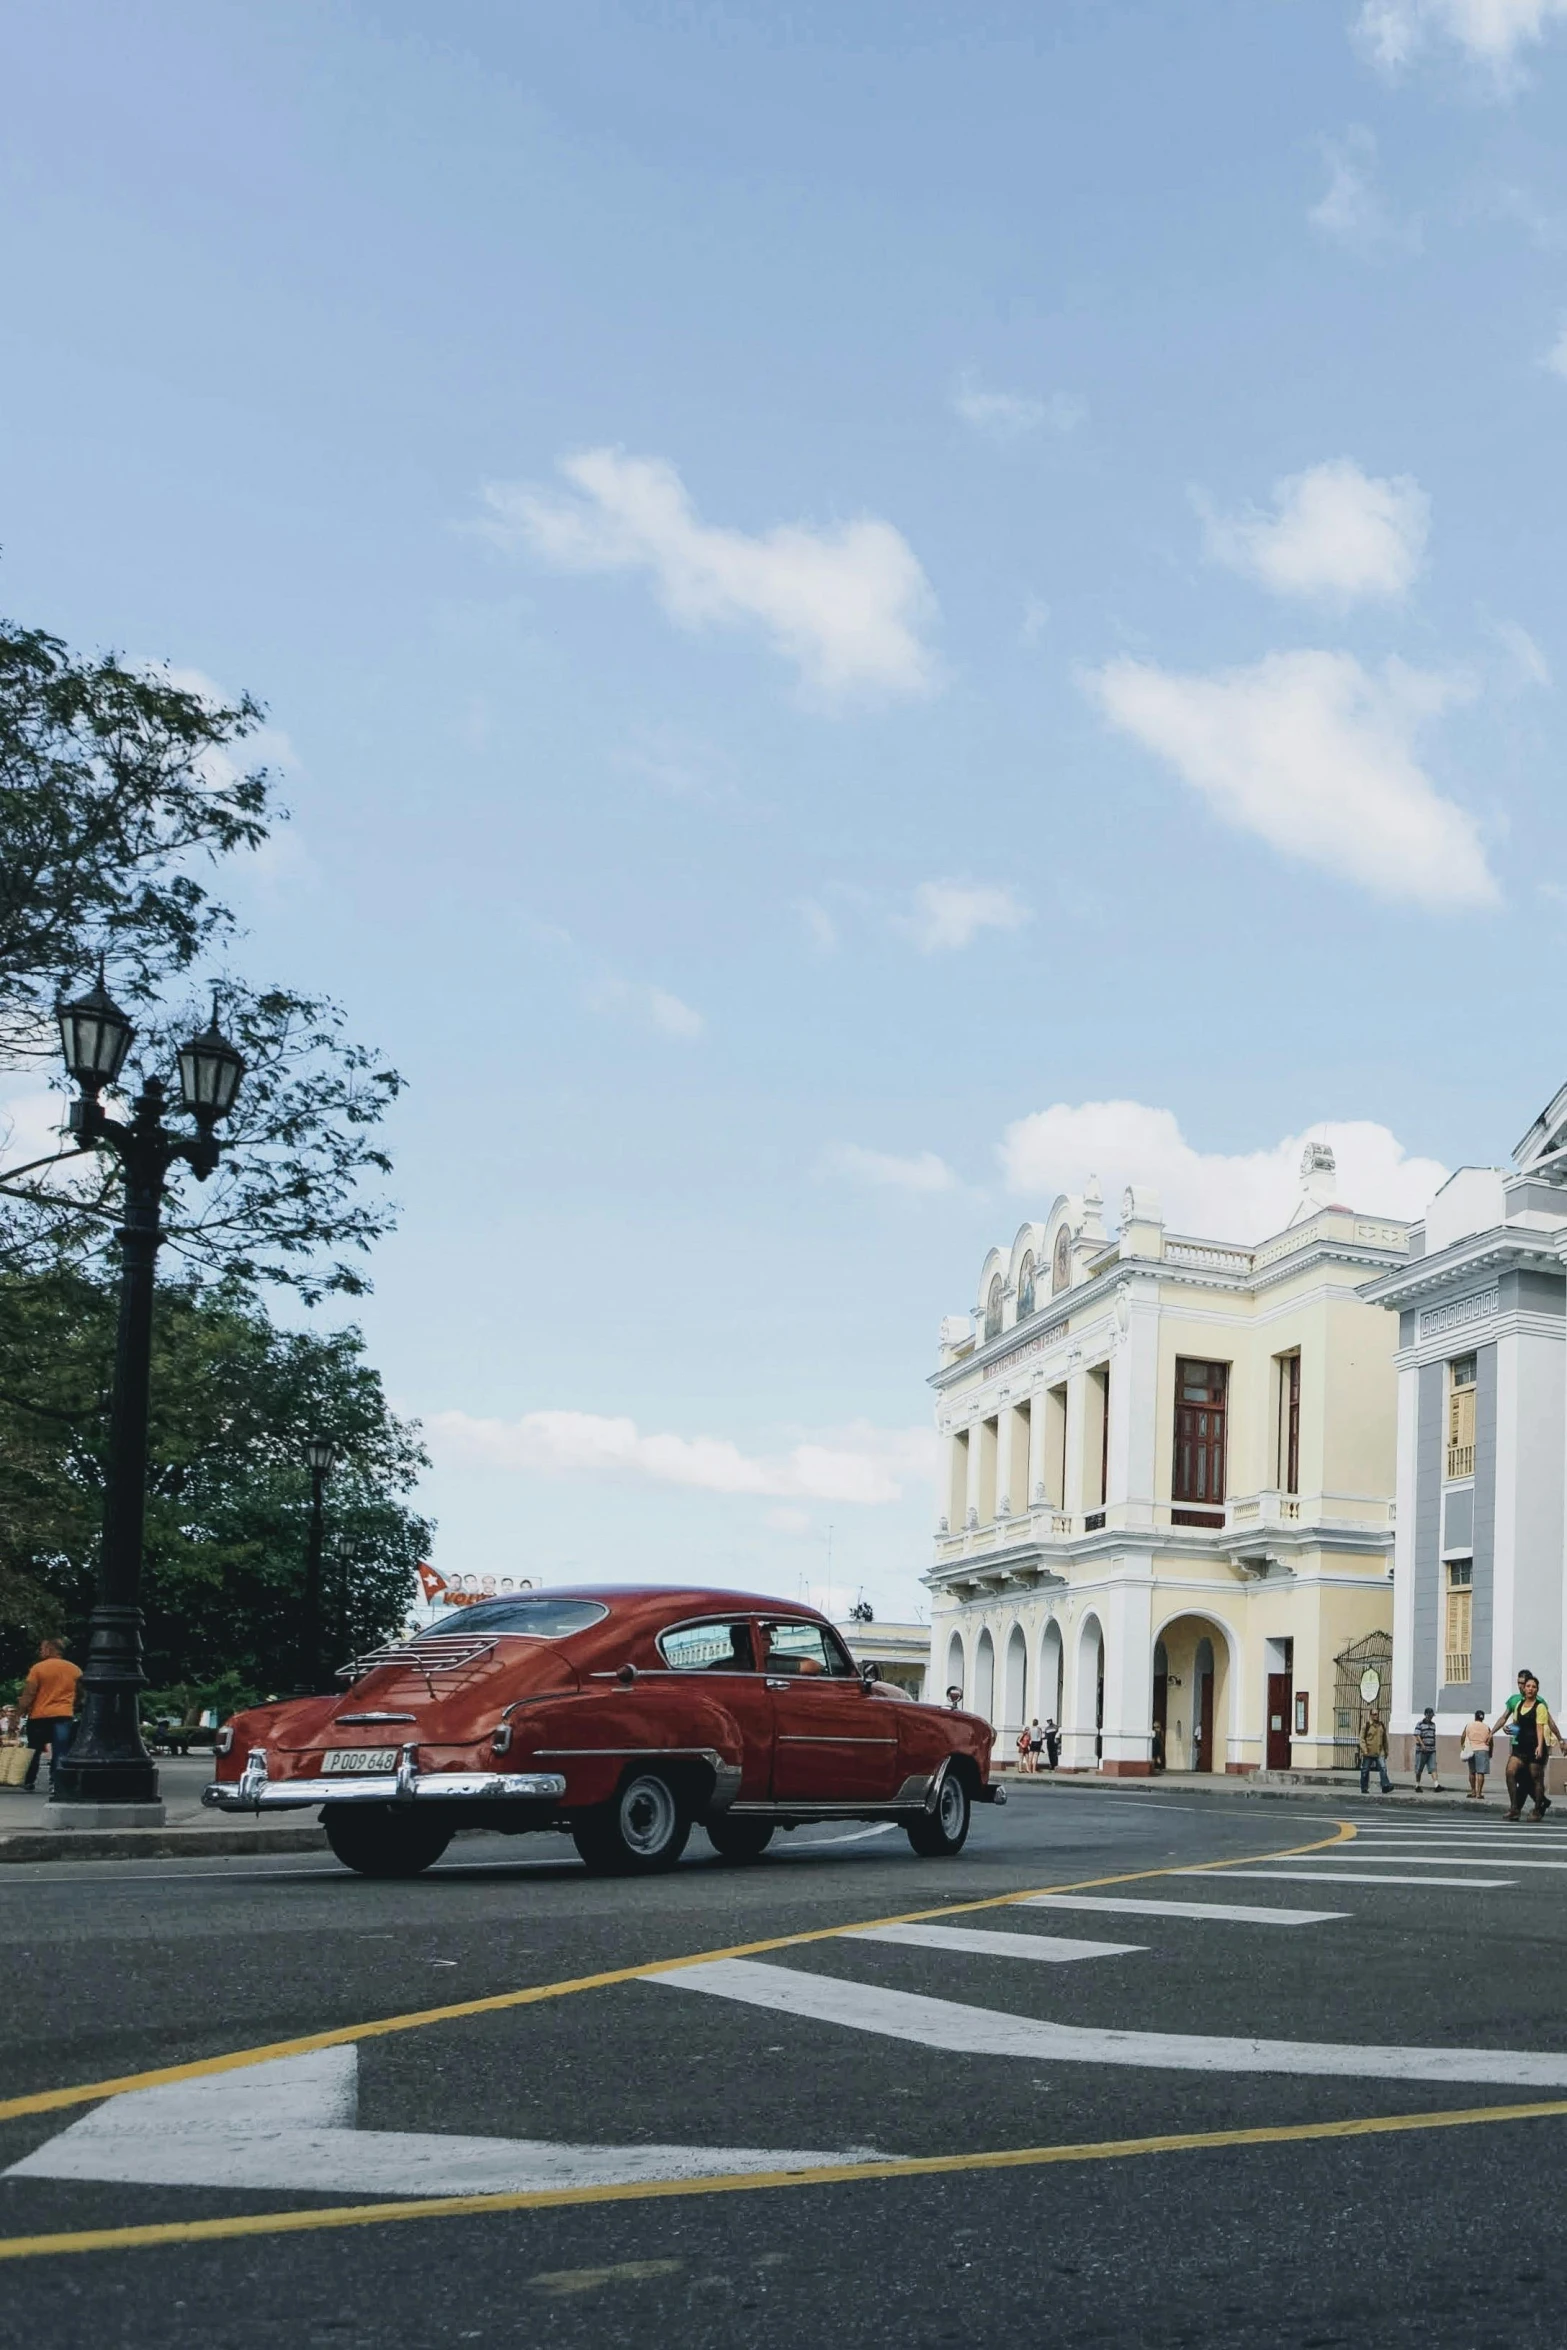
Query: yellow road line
column 369, row 2215
column 88, row 2092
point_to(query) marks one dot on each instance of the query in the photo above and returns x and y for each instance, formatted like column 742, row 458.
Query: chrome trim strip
column 339, row 1720
column 406, row 1786
column 824, row 1738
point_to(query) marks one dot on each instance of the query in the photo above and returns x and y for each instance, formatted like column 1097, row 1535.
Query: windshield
column 534, row 1619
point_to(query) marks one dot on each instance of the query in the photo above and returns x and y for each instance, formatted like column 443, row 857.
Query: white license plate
column 359, row 1758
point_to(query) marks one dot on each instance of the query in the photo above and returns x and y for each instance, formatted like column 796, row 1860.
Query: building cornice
column 1503, row 1249
column 1059, row 1321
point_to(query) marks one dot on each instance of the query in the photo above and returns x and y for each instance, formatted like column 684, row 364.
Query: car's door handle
column 780, row 1684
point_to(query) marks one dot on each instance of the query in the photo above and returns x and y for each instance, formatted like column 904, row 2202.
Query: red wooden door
column 1281, row 1697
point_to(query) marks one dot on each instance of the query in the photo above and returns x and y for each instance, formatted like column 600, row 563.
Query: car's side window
column 809, row 1650
column 719, row 1647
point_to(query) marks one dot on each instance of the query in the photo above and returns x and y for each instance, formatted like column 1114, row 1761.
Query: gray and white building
column 1480, row 1549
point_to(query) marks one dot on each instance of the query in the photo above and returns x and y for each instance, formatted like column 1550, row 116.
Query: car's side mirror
column 626, row 1675
column 869, row 1675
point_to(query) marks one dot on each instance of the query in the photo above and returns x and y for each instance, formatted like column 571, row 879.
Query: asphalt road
column 1422, row 1977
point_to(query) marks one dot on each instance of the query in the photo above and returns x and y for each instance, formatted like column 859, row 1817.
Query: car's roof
column 635, row 1597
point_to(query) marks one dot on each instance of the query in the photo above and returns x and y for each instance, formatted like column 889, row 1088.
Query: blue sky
column 866, row 608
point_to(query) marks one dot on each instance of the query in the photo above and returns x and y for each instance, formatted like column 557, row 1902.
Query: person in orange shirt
column 49, row 1701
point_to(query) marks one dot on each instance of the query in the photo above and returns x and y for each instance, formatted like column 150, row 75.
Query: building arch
column 957, row 1667
column 985, row 1678
column 1049, row 1682
column 1088, row 1690
column 1015, row 1698
column 1202, row 1689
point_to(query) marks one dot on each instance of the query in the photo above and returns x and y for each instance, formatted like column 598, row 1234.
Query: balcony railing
column 1460, row 1460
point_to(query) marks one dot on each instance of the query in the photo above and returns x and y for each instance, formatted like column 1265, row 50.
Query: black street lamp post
column 320, row 1458
column 106, row 1762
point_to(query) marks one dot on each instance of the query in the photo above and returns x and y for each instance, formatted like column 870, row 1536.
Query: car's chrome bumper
column 254, row 1790
column 993, row 1792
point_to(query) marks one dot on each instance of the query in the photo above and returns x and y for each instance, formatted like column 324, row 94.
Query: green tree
column 121, row 793
column 234, row 1399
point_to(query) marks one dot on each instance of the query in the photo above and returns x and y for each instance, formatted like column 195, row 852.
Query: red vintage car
column 622, row 1715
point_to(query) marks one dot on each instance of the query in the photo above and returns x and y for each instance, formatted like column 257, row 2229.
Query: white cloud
column 820, row 928
column 951, row 914
column 1491, row 33
column 1011, row 416
column 1334, row 531
column 1525, row 664
column 653, row 1007
column 1243, row 1196
column 858, row 1464
column 1352, row 209
column 1314, row 754
column 924, row 1172
column 1556, row 357
column 848, row 605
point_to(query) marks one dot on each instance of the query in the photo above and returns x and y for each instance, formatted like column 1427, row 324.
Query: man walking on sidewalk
column 1373, row 1749
column 49, row 1701
column 1425, row 1751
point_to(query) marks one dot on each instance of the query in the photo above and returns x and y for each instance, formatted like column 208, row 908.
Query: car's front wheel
column 938, row 1834
column 377, row 1840
column 739, row 1839
column 639, row 1831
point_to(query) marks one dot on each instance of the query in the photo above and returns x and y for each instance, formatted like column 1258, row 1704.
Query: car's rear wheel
column 641, row 1830
column 378, row 1841
column 739, row 1839
column 938, row 1834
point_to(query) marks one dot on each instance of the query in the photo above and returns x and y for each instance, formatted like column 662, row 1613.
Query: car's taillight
column 224, row 1741
column 500, row 1738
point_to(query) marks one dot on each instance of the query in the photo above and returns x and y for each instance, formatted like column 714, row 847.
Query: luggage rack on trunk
column 435, row 1652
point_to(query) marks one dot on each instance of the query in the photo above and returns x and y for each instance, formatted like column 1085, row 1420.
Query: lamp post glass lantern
column 106, row 1766
column 95, row 1037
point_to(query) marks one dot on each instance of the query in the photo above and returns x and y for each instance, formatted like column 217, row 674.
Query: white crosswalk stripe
column 981, row 2031
column 1367, row 1876
column 1457, row 1858
column 980, row 1943
column 1228, row 1912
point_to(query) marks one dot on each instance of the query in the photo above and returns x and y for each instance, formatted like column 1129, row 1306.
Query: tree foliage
column 233, row 1402
column 120, row 793
column 118, row 789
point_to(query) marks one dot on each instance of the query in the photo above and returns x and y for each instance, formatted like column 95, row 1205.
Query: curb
column 155, row 1843
column 1250, row 1791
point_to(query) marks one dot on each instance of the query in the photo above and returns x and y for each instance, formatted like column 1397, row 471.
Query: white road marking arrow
column 984, row 2031
column 290, row 2124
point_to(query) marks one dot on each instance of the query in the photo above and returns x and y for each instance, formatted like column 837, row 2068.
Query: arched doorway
column 1051, row 1693
column 1194, row 1681
column 1016, row 1682
column 954, row 1678
column 1161, row 1705
column 1088, row 1696
column 985, row 1678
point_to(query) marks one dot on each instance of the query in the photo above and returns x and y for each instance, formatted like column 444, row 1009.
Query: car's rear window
column 535, row 1619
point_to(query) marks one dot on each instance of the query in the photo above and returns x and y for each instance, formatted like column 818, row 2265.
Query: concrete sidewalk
column 26, row 1833
column 1338, row 1789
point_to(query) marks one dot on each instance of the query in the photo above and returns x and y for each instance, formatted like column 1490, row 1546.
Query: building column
column 1126, row 1612
column 1037, row 1416
column 1402, row 1707
column 972, row 1512
column 1076, row 1404
column 1004, row 1449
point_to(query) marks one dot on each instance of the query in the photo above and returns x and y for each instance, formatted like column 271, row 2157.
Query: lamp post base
column 104, row 1815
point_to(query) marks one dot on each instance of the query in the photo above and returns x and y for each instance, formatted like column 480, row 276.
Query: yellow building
column 1165, row 1514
